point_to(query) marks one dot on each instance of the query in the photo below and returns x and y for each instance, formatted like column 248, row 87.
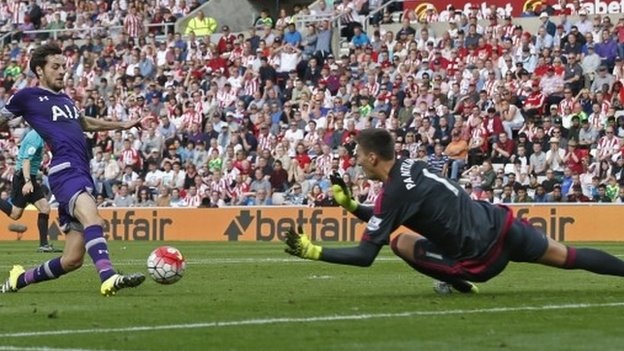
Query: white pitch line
column 286, row 320
column 208, row 261
column 41, row 348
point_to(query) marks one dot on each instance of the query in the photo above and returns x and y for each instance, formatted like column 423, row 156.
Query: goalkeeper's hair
column 377, row 140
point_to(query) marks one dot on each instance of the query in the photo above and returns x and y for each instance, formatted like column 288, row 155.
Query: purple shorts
column 66, row 185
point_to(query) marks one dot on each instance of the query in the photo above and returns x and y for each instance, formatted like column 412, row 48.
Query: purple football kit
column 55, row 117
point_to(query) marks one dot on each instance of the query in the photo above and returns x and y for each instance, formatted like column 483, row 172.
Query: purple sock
column 97, row 249
column 51, row 269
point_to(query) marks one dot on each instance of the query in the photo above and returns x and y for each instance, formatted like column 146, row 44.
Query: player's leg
column 592, row 260
column 41, row 203
column 15, row 210
column 423, row 256
column 85, row 210
column 530, row 245
column 71, row 260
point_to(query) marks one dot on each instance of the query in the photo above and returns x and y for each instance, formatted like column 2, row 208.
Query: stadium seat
column 498, row 166
column 278, row 198
column 509, row 168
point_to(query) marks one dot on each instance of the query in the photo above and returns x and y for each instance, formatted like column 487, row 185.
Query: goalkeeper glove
column 342, row 194
column 300, row 245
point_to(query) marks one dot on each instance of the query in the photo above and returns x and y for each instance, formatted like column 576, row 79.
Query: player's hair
column 377, row 140
column 39, row 56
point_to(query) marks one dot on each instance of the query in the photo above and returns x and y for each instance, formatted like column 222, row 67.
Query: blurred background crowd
column 263, row 117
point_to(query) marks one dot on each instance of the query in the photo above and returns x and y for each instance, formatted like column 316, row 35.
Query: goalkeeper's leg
column 531, row 245
column 425, row 257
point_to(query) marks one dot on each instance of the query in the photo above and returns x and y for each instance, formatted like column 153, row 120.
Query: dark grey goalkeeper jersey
column 435, row 208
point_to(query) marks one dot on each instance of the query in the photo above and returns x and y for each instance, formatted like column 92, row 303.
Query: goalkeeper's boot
column 118, row 281
column 463, row 286
column 10, row 285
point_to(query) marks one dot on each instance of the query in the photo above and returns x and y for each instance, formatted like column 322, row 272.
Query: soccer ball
column 166, row 265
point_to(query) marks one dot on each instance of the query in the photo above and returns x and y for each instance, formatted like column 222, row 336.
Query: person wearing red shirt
column 534, row 103
column 573, row 157
column 478, row 145
column 484, row 50
column 503, row 149
column 226, row 38
column 302, row 157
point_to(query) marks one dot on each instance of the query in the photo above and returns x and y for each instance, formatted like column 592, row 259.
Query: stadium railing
column 54, row 33
column 376, row 11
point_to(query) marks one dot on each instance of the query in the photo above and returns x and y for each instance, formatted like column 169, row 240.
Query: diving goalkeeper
column 459, row 241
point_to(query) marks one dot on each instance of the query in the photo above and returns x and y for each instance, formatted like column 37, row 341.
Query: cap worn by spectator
column 554, row 140
column 543, row 15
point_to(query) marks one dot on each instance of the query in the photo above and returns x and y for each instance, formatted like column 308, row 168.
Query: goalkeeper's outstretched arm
column 363, row 212
column 362, row 255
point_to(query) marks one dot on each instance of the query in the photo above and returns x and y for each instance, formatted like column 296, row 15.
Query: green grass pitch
column 252, row 296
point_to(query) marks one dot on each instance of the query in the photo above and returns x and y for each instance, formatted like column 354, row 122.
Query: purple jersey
column 55, row 117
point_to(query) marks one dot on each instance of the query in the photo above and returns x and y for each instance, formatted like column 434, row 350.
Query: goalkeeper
column 460, row 241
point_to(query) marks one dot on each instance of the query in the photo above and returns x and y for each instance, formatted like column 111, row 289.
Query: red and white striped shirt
column 133, row 25
column 323, row 162
column 491, row 87
column 266, row 141
column 373, row 88
column 565, row 103
column 192, row 200
column 608, row 145
column 190, row 118
column 529, row 131
column 220, row 186
column 250, row 87
column 226, row 98
column 479, row 135
column 130, row 157
column 507, row 31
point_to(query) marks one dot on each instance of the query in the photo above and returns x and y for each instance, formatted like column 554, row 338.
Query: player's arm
column 343, row 197
column 299, row 244
column 26, row 170
column 377, row 234
column 12, row 111
column 90, row 124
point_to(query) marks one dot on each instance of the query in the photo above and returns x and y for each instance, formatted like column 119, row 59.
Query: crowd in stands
column 263, row 117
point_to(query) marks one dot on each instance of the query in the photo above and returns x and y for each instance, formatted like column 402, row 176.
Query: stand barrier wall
column 570, row 222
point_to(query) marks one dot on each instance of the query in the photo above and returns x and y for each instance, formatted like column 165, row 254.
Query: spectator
column 122, row 198
column 295, row 195
column 556, row 157
column 537, row 161
column 457, row 151
column 145, row 199
column 438, row 162
column 201, row 25
column 577, row 195
column 259, row 198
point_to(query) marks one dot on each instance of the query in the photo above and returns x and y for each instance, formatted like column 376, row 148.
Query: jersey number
column 441, row 180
